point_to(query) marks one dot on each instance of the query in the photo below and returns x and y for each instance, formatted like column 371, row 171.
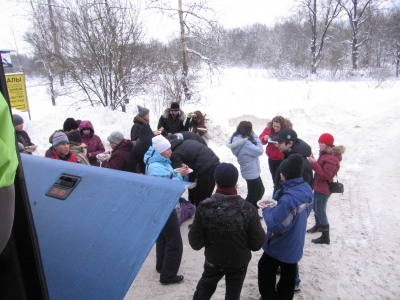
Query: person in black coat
column 202, row 160
column 189, row 135
column 289, row 144
column 228, row 227
column 173, row 120
column 22, row 135
column 143, row 117
column 135, row 162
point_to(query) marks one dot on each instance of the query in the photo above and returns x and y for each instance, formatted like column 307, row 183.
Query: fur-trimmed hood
column 166, row 114
column 335, row 150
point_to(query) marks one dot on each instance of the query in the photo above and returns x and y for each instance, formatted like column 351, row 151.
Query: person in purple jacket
column 93, row 142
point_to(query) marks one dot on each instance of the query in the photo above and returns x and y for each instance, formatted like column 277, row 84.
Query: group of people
column 225, row 224
column 295, row 173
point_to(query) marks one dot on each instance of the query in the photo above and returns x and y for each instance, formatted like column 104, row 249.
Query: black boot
column 324, row 238
column 316, row 227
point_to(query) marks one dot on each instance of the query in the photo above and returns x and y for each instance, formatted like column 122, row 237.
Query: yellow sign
column 17, row 91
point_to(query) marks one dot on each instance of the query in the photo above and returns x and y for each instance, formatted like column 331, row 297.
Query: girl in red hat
column 325, row 168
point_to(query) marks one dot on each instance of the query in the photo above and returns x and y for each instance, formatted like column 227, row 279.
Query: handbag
column 336, row 186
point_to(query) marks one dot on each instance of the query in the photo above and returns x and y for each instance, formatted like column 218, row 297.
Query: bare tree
column 321, row 14
column 101, row 50
column 45, row 40
column 199, row 40
column 358, row 13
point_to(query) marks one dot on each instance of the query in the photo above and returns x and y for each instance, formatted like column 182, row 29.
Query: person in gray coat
column 247, row 147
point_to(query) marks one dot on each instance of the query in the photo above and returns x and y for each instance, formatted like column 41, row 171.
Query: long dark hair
column 245, row 129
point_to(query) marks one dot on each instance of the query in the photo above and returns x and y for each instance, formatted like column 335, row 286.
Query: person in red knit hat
column 325, row 168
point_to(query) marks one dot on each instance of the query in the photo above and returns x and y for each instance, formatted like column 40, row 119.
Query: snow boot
column 316, row 227
column 324, row 238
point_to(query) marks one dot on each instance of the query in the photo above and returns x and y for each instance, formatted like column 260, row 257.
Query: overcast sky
column 231, row 13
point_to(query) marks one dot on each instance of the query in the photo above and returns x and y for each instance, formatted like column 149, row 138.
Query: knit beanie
column 17, row 120
column 160, row 143
column 292, row 167
column 327, row 139
column 74, row 136
column 115, row 137
column 226, row 175
column 59, row 138
column 143, row 111
column 70, row 124
column 175, row 106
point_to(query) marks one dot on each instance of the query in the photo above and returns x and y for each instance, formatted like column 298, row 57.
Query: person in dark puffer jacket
column 289, row 144
column 173, row 120
column 22, row 135
column 135, row 163
column 202, row 160
column 143, row 117
column 229, row 228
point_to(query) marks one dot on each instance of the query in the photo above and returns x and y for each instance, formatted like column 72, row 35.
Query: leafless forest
column 100, row 49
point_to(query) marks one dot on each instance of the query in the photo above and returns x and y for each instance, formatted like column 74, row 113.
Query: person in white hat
column 169, row 246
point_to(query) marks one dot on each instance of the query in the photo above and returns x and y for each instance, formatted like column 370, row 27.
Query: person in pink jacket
column 93, row 142
column 325, row 168
column 275, row 156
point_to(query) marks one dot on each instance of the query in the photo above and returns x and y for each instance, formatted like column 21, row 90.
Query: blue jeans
column 320, row 203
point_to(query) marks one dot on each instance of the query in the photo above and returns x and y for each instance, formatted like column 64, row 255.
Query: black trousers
column 267, row 267
column 205, row 186
column 208, row 282
column 169, row 248
column 274, row 169
column 255, row 190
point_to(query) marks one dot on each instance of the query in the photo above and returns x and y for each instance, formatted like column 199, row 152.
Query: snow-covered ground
column 362, row 261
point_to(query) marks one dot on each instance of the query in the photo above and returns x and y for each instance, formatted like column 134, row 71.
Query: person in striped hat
column 60, row 148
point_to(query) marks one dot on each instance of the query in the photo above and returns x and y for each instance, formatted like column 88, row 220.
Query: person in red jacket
column 325, row 168
column 60, row 148
column 121, row 149
column 92, row 141
column 275, row 156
